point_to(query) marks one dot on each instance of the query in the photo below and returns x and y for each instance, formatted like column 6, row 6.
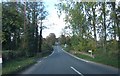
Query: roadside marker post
column 90, row 51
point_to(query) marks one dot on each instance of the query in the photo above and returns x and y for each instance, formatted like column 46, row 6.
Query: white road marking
column 35, row 64
column 76, row 57
column 90, row 61
column 32, row 68
column 76, row 71
column 45, row 57
column 80, row 59
column 52, row 53
column 39, row 61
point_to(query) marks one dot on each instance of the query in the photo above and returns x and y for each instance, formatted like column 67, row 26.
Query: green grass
column 17, row 65
column 104, row 59
column 66, row 49
column 100, row 58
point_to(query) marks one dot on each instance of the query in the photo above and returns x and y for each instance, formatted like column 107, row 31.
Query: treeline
column 94, row 26
column 22, row 30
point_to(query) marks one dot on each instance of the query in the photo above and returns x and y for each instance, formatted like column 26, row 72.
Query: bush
column 17, row 65
column 8, row 55
column 112, row 48
column 46, row 47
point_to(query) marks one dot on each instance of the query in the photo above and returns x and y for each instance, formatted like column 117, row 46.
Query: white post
column 0, row 60
column 90, row 51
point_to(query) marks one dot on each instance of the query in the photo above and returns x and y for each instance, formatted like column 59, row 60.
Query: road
column 60, row 62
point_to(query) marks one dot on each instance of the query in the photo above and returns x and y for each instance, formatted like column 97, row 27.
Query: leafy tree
column 20, row 28
column 92, row 24
column 12, row 23
column 43, row 14
column 62, row 39
column 51, row 39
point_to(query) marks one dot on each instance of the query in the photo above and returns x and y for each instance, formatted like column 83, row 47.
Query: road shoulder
column 91, row 62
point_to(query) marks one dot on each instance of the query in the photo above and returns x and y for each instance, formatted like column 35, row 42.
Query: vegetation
column 22, row 41
column 94, row 26
column 15, row 66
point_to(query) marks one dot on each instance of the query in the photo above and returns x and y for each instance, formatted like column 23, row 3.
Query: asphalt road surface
column 60, row 62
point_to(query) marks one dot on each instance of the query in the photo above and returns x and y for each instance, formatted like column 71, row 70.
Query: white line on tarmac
column 76, row 71
column 35, row 64
column 91, row 61
column 76, row 57
column 39, row 61
column 52, row 53
column 45, row 57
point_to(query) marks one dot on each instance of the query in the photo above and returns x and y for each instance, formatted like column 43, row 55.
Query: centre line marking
column 76, row 71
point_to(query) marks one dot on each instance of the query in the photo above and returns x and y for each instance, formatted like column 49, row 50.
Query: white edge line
column 52, row 53
column 45, row 57
column 39, row 61
column 49, row 55
column 88, row 61
column 76, row 71
column 76, row 57
column 35, row 64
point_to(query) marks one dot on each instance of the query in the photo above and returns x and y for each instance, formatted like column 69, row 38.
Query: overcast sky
column 54, row 23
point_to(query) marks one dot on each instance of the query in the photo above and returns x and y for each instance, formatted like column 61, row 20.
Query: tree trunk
column 114, row 19
column 118, row 29
column 40, row 39
column 94, row 27
column 104, row 26
column 35, row 26
column 36, row 38
column 25, row 32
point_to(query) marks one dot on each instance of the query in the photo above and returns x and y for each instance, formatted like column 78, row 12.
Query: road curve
column 59, row 62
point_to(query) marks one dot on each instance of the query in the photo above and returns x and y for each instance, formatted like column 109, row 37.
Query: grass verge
column 99, row 58
column 17, row 65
